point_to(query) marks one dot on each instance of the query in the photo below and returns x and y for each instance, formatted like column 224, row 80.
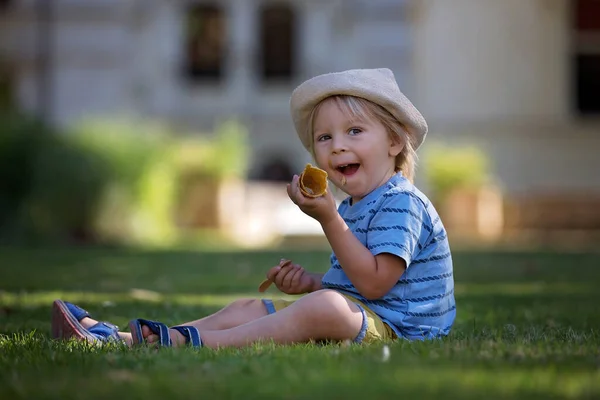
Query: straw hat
column 376, row 85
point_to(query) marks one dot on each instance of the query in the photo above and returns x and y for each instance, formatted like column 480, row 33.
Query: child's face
column 359, row 152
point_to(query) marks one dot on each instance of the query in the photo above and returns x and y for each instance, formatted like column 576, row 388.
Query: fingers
column 283, row 262
column 272, row 273
column 287, row 280
column 280, row 277
column 293, row 190
column 295, row 279
column 296, row 187
column 289, row 283
column 286, row 276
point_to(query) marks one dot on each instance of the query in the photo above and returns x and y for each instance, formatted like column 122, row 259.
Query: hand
column 322, row 208
column 292, row 278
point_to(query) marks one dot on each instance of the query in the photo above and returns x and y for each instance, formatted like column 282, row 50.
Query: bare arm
column 373, row 276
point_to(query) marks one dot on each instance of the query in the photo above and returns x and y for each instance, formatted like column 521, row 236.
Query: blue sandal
column 66, row 324
column 191, row 334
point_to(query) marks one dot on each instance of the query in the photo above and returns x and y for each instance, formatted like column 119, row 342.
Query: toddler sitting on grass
column 390, row 275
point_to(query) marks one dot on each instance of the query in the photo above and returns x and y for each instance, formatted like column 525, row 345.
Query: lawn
column 528, row 326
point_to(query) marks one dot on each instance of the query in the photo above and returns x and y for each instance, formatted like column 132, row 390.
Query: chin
column 356, row 196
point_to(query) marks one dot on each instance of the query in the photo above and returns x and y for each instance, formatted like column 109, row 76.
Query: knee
column 331, row 306
column 328, row 296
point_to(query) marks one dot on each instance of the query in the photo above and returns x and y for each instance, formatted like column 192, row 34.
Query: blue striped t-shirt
column 397, row 218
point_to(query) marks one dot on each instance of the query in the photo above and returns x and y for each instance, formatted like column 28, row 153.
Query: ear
column 396, row 146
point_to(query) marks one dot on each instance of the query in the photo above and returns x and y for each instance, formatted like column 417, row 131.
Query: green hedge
column 104, row 181
column 450, row 167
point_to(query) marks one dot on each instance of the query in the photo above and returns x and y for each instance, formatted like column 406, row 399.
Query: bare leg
column 324, row 314
column 237, row 313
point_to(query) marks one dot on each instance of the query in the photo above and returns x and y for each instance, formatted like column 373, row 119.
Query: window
column 276, row 169
column 5, row 4
column 277, row 40
column 7, row 101
column 205, row 42
column 587, row 56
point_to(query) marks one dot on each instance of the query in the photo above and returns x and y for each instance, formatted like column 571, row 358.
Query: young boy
column 391, row 272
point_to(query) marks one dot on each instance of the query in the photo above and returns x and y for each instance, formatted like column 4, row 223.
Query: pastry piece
column 313, row 182
column 264, row 285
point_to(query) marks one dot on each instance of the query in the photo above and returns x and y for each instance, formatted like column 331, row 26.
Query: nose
column 338, row 144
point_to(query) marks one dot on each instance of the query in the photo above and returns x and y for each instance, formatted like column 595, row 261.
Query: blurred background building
column 519, row 79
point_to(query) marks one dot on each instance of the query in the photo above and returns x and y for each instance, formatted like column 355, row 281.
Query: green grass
column 528, row 326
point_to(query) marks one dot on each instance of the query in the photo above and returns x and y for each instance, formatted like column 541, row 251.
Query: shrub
column 135, row 204
column 220, row 156
column 111, row 181
column 26, row 145
column 451, row 167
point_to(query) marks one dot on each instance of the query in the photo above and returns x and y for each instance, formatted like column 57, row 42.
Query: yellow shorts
column 373, row 328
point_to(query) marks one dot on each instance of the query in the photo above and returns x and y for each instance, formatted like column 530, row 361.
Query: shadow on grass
column 101, row 270
column 454, row 368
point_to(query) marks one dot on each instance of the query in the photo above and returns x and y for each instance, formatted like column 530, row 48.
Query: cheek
column 321, row 160
column 319, row 152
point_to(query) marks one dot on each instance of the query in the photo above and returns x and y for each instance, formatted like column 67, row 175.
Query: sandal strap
column 158, row 328
column 105, row 331
column 78, row 312
column 191, row 334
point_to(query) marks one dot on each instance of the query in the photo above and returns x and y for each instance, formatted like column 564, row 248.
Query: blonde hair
column 359, row 108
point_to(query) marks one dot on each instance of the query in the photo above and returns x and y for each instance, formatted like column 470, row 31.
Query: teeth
column 343, row 166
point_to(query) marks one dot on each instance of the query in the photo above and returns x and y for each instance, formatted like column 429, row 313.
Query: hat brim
column 376, row 85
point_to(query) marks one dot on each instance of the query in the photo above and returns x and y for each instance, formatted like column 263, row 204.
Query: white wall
column 491, row 60
column 495, row 73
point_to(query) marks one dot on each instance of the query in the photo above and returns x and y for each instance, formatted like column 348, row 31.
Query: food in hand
column 267, row 282
column 313, row 182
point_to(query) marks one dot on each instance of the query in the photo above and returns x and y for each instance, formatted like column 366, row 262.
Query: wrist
column 316, row 282
column 331, row 221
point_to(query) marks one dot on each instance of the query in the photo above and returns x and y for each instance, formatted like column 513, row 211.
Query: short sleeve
column 400, row 226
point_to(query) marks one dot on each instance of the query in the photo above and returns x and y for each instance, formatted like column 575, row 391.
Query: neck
column 387, row 177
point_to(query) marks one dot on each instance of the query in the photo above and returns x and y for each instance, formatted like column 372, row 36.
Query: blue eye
column 323, row 137
column 354, row 131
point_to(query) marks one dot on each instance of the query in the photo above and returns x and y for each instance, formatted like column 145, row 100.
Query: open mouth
column 348, row 169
